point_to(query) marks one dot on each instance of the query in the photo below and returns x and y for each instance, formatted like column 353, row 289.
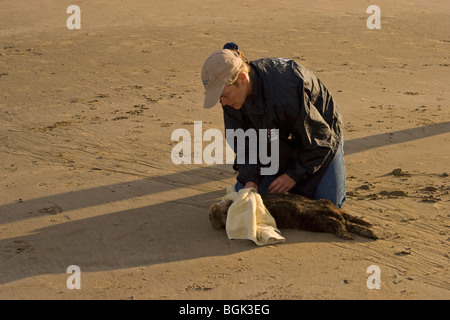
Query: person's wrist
column 251, row 185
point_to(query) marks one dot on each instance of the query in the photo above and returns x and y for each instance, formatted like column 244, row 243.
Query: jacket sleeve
column 314, row 136
column 247, row 172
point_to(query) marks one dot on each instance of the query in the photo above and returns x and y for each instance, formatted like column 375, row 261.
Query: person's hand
column 282, row 184
column 251, row 185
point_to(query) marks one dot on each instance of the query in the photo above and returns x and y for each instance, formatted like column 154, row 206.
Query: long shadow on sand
column 160, row 233
column 394, row 137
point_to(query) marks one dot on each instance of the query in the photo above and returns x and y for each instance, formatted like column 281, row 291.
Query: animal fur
column 294, row 211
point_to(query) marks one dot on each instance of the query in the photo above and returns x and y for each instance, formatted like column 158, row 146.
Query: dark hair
column 234, row 47
column 231, row 46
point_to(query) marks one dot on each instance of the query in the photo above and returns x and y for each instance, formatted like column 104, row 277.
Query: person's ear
column 243, row 77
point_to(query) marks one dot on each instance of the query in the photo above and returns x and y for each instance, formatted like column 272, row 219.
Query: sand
column 87, row 178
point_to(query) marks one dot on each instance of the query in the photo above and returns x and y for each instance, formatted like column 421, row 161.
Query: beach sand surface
column 87, row 178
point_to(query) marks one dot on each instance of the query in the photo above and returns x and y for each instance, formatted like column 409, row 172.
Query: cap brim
column 212, row 97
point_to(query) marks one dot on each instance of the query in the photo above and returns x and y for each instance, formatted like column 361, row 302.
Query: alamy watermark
column 74, row 280
column 251, row 147
column 374, row 21
column 74, row 20
column 374, row 280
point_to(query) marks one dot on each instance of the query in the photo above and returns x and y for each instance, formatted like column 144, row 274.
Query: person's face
column 234, row 95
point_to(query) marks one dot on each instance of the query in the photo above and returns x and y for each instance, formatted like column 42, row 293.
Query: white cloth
column 248, row 218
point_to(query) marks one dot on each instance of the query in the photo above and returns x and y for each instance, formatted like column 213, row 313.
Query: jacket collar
column 254, row 103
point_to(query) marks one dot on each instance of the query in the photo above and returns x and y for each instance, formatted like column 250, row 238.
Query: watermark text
column 249, row 147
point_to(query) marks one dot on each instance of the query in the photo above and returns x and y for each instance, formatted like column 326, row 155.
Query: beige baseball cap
column 218, row 68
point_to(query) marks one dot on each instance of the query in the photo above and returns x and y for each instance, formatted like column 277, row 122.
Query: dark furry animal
column 295, row 211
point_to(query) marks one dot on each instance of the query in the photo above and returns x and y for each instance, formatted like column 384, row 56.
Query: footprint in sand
column 51, row 210
column 17, row 247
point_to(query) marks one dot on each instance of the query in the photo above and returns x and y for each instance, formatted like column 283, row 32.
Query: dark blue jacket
column 289, row 97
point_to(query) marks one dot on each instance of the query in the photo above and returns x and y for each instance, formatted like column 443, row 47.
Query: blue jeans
column 331, row 186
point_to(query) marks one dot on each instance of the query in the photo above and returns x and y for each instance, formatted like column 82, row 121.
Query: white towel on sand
column 248, row 218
